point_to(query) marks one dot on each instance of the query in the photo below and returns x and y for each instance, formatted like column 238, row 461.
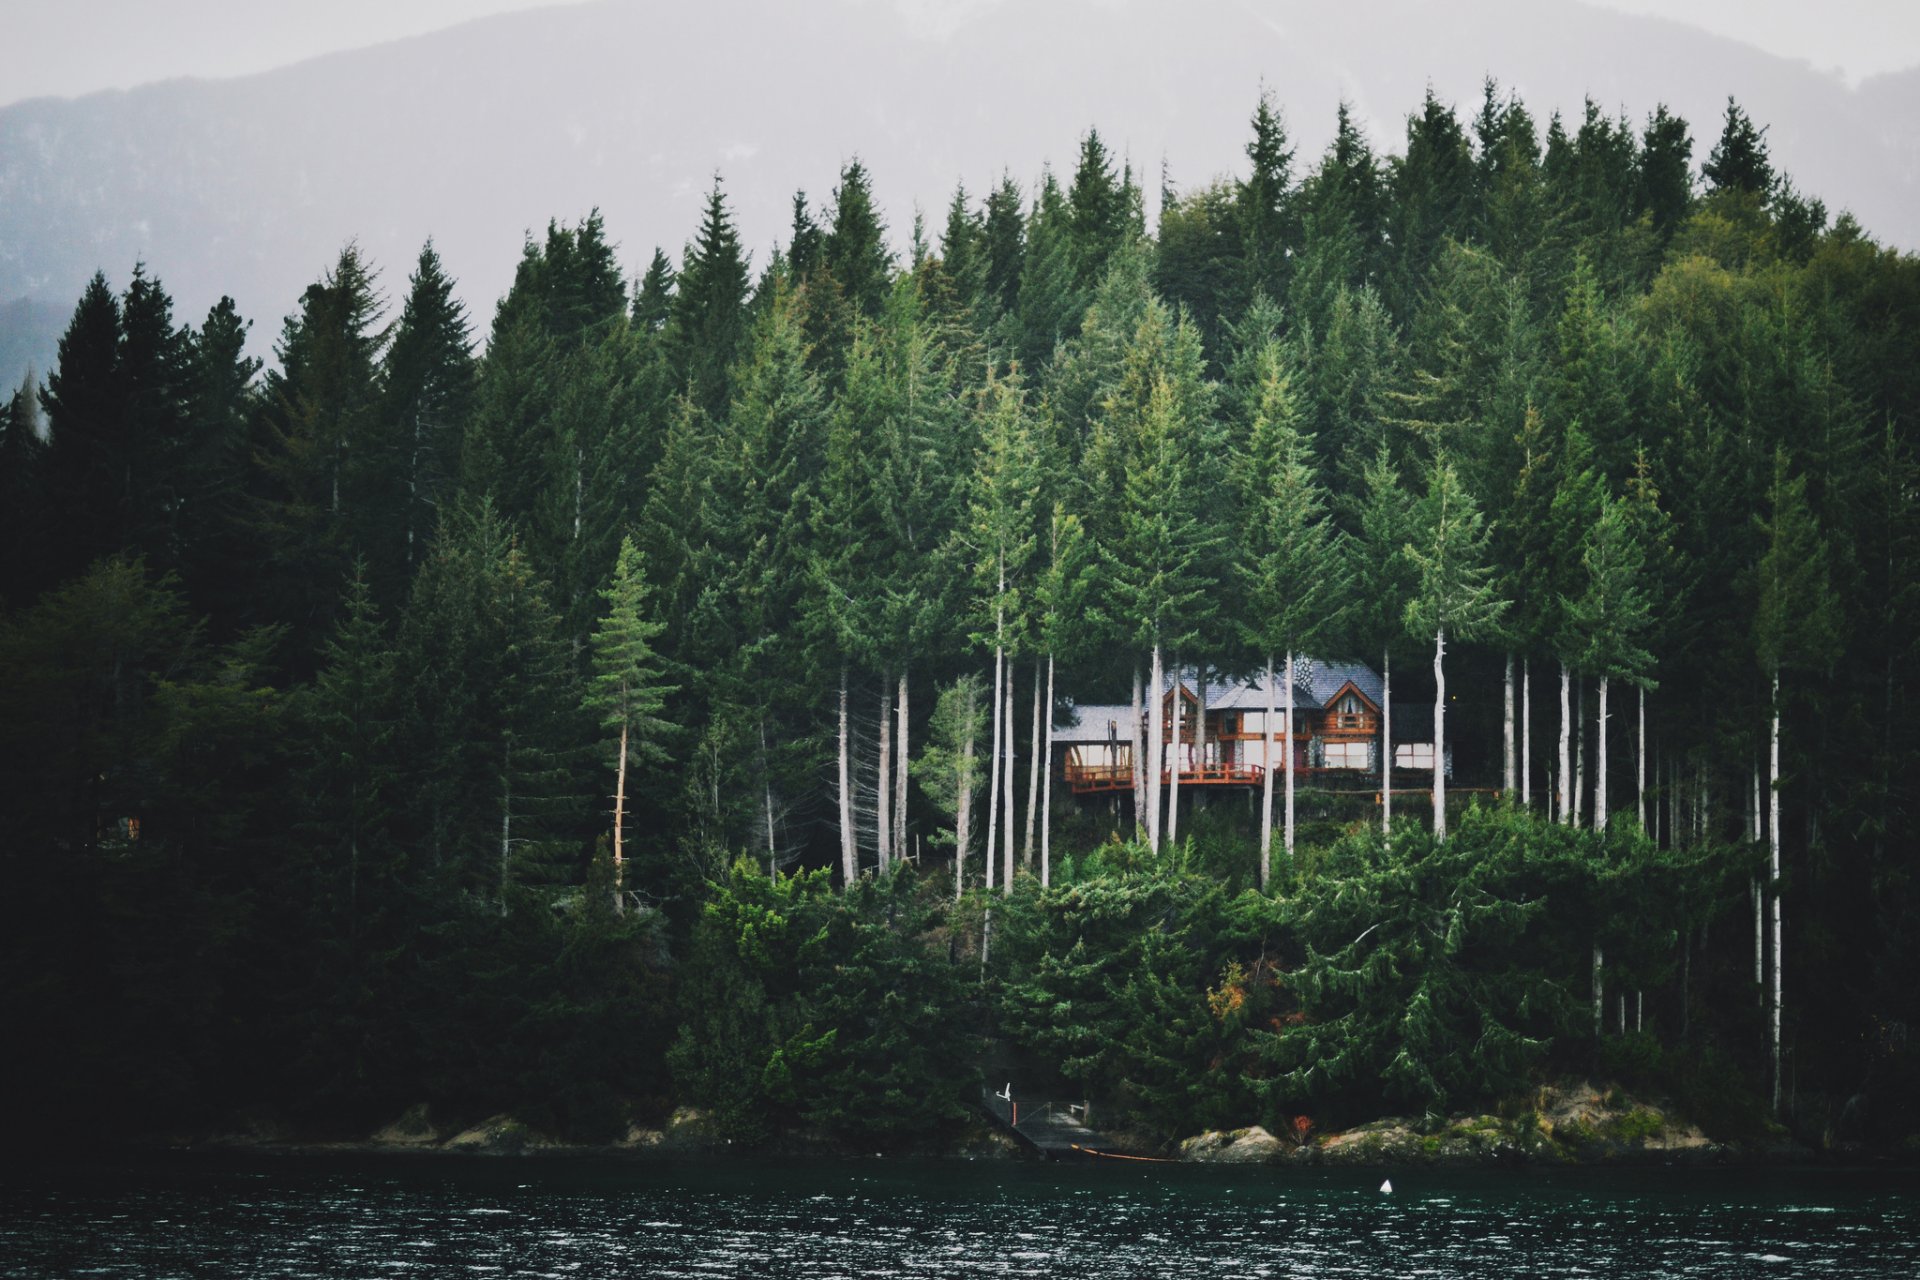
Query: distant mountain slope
column 478, row 133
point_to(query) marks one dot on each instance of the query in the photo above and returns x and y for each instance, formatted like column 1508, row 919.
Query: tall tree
column 708, row 327
column 1289, row 566
column 628, row 689
column 1456, row 595
column 1796, row 627
column 429, row 392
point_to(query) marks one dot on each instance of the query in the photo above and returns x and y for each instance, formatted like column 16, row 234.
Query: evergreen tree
column 627, row 689
column 89, row 460
column 1449, row 551
column 1264, row 205
column 855, row 249
column 1289, row 566
column 429, row 392
column 23, row 511
column 708, row 327
column 1738, row 161
column 1796, row 627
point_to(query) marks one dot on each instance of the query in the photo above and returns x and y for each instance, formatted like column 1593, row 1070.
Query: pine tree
column 23, row 512
column 1796, row 627
column 1738, row 161
column 329, row 487
column 628, row 689
column 1264, row 205
column 855, row 250
column 1384, row 581
column 428, row 380
column 999, row 537
column 708, row 328
column 1456, row 595
column 1289, row 566
column 88, row 464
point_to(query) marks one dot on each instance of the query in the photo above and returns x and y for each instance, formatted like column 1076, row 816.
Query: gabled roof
column 1316, row 682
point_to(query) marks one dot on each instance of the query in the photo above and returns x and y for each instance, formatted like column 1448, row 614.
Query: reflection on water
column 569, row 1218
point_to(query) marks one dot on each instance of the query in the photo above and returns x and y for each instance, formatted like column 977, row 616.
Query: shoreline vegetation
column 653, row 706
column 1558, row 1125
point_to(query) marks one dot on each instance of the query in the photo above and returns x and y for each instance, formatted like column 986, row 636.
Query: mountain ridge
column 479, row 133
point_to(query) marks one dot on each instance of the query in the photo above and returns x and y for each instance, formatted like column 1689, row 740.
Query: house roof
column 1316, row 681
column 1090, row 723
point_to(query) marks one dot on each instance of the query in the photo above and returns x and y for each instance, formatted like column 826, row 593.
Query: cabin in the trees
column 1225, row 739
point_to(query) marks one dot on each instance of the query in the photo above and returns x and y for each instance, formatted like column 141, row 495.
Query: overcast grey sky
column 70, row 47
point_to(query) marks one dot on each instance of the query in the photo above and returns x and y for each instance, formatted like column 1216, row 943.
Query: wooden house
column 1225, row 739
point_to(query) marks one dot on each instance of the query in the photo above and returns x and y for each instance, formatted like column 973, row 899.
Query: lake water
column 300, row 1216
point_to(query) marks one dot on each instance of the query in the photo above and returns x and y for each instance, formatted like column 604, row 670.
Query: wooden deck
column 1087, row 779
column 1054, row 1130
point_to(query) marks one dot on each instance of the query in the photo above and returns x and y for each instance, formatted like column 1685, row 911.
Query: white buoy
column 1386, row 1188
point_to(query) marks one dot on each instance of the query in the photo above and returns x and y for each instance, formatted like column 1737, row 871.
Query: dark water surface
column 299, row 1216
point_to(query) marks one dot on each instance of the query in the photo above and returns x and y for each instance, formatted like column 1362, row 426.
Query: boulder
column 1237, row 1146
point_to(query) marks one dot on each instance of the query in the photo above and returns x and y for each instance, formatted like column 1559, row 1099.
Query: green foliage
column 803, row 1005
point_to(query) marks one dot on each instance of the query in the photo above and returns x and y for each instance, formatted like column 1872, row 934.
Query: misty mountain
column 480, row 133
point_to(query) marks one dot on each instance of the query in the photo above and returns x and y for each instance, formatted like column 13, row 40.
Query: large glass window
column 1347, row 755
column 1413, row 755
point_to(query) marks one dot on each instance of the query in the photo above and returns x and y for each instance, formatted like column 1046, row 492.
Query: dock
column 1054, row 1130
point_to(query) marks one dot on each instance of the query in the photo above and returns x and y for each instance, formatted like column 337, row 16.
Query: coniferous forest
column 642, row 697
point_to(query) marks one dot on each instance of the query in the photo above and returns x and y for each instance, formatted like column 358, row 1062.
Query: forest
column 638, row 704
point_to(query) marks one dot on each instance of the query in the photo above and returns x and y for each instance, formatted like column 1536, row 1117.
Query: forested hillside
column 638, row 696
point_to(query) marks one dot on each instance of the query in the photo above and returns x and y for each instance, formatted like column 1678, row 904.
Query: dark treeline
column 645, row 704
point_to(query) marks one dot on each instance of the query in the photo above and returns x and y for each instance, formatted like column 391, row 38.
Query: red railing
column 1085, row 778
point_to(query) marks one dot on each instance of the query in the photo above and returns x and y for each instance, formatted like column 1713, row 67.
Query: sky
column 74, row 47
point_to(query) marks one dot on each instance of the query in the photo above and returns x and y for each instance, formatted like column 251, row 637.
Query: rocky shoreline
column 1564, row 1125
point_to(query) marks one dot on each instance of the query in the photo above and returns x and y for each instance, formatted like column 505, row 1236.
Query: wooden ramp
column 1056, row 1130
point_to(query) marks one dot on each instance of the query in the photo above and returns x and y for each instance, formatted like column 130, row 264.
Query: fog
column 478, row 134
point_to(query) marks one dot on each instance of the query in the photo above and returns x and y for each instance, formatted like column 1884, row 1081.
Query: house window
column 1347, row 755
column 1413, row 755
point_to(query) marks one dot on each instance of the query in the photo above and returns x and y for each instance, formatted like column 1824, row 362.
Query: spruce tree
column 1455, row 596
column 628, row 689
column 708, row 327
column 1289, row 566
column 429, row 379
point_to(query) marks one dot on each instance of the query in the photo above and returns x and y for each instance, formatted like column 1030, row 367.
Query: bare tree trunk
column 902, row 759
column 1773, row 867
column 1179, row 759
column 1599, row 991
column 1289, row 723
column 1156, row 749
column 1386, row 741
column 1510, row 779
column 619, row 823
column 883, row 787
column 1006, row 848
column 766, row 795
column 963, row 818
column 993, row 777
column 1759, row 921
column 1033, row 772
column 1440, row 733
column 1579, row 750
column 849, row 853
column 1526, row 733
column 1266, row 783
column 1564, row 798
column 1640, row 768
column 1600, row 769
column 1137, row 760
column 1200, row 723
column 1046, row 794
column 506, row 820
